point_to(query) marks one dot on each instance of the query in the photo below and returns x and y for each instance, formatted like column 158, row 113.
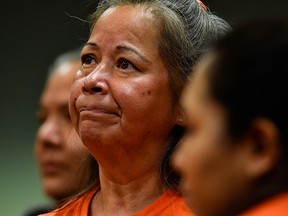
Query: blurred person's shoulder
column 37, row 210
column 79, row 206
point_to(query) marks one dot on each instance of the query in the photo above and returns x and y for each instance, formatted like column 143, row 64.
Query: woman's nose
column 96, row 81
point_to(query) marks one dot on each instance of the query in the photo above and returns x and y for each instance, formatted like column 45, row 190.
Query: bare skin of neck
column 123, row 199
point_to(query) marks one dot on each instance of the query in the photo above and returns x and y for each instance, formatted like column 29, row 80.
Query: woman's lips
column 96, row 111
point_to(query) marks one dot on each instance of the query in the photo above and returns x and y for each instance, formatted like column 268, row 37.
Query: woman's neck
column 118, row 198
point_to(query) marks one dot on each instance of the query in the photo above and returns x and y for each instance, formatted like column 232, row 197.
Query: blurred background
column 32, row 34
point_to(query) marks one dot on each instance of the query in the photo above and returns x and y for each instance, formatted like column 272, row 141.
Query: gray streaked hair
column 186, row 32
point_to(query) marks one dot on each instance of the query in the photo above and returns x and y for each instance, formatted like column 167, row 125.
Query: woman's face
column 63, row 159
column 208, row 158
column 120, row 100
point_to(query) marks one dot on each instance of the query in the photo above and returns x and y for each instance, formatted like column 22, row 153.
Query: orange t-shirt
column 277, row 205
column 169, row 204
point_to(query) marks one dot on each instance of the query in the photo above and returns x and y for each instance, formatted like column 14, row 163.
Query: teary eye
column 87, row 59
column 125, row 64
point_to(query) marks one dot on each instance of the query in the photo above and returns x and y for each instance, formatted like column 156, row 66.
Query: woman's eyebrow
column 122, row 47
column 132, row 49
column 91, row 44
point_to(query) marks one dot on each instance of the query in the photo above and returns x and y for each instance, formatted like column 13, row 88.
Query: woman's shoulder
column 79, row 206
column 169, row 204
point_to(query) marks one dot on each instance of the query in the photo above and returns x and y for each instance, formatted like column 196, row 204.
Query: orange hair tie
column 202, row 5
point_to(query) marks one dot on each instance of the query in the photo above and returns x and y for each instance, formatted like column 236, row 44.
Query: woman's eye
column 87, row 59
column 125, row 64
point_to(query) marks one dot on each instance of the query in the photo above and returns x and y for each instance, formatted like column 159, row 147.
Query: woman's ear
column 179, row 116
column 263, row 148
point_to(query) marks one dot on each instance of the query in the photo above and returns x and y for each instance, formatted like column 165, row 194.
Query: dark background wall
column 32, row 33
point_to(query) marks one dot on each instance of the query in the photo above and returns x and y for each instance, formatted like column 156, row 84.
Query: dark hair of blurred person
column 234, row 157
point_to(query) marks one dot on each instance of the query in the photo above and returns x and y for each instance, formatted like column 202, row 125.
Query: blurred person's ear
column 262, row 148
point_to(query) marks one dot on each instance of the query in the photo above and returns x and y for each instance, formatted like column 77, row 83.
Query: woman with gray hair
column 124, row 102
